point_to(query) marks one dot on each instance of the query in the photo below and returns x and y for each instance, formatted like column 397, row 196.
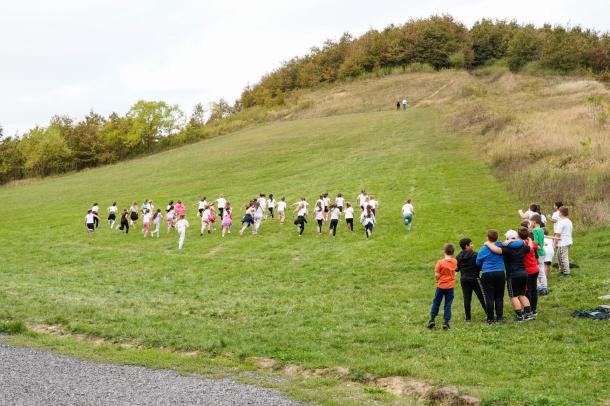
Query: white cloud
column 70, row 56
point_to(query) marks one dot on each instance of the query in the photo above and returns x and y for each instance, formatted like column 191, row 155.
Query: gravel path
column 34, row 377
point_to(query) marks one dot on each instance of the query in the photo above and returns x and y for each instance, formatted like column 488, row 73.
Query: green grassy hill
column 315, row 301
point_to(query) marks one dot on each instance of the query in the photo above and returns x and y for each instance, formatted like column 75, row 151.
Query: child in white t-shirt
column 281, row 210
column 146, row 222
column 157, row 222
column 181, row 225
column 339, row 201
column 407, row 214
column 563, row 233
column 334, row 219
column 349, row 216
column 271, row 205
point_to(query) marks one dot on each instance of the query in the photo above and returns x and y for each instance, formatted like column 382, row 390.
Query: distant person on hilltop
column 397, row 105
column 404, row 104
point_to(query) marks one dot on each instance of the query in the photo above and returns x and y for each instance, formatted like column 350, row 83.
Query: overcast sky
column 71, row 56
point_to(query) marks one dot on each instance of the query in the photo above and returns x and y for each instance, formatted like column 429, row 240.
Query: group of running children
column 522, row 262
column 256, row 210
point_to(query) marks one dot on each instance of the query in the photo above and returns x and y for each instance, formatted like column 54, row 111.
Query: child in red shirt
column 445, row 281
column 532, row 269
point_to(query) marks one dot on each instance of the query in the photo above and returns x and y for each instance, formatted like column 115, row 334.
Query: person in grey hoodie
column 469, row 279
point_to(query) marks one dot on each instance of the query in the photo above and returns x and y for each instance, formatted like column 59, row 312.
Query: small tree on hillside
column 525, row 46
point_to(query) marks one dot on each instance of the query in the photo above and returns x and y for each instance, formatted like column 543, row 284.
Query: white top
column 203, row 204
column 407, row 208
column 349, row 213
column 321, row 201
column 373, row 203
column 281, row 206
column 89, row 218
column 182, row 225
column 302, row 211
column 325, row 201
column 95, row 208
column 335, row 213
column 222, row 202
column 555, row 217
column 205, row 216
column 404, row 101
column 112, row 209
column 548, row 244
column 564, row 228
column 170, row 214
column 145, row 206
column 157, row 218
column 271, row 203
column 362, row 199
column 262, row 202
column 146, row 218
column 339, row 201
column 364, row 220
column 259, row 213
column 543, row 219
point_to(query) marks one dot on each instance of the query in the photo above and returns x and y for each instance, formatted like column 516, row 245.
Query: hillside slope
column 313, row 301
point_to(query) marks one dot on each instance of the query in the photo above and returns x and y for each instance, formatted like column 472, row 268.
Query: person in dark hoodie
column 513, row 250
column 469, row 279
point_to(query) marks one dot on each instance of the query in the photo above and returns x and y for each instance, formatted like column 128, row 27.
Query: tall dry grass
column 542, row 135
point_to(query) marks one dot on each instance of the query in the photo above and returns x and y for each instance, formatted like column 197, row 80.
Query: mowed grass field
column 313, row 301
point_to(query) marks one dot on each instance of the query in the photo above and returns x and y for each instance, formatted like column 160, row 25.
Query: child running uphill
column 334, row 219
column 90, row 221
column 349, row 216
column 181, row 225
column 444, row 272
column 367, row 219
column 281, row 210
column 469, row 276
column 157, row 222
column 407, row 214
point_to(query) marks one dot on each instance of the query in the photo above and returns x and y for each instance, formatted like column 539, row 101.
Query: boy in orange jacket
column 445, row 281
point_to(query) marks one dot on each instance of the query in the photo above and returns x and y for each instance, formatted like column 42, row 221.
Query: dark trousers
column 493, row 290
column 350, row 224
column 469, row 286
column 124, row 225
column 220, row 211
column 300, row 221
column 436, row 303
column 96, row 220
column 532, row 290
column 333, row 226
column 271, row 212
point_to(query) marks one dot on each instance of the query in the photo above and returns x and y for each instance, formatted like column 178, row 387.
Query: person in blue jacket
column 492, row 279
